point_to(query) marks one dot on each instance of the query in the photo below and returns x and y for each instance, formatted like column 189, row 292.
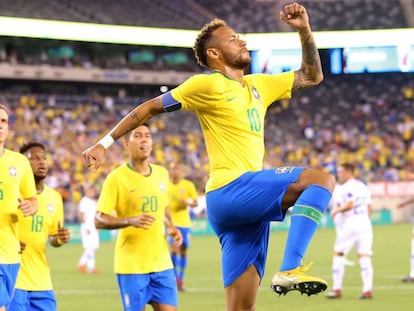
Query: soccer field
column 76, row 291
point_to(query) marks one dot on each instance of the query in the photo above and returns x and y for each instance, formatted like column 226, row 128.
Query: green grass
column 76, row 291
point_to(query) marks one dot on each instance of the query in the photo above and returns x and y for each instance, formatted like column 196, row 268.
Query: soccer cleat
column 82, row 268
column 334, row 294
column 296, row 279
column 407, row 279
column 366, row 295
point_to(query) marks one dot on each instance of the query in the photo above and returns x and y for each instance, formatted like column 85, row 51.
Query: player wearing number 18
column 242, row 198
column 34, row 289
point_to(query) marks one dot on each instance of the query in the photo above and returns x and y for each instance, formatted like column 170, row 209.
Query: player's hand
column 143, row 221
column 93, row 156
column 176, row 235
column 26, row 207
column 63, row 234
column 295, row 15
column 22, row 247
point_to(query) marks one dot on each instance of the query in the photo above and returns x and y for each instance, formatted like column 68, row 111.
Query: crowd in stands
column 365, row 119
column 245, row 16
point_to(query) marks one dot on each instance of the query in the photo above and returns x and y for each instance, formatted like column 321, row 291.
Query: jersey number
column 149, row 205
column 254, row 120
column 37, row 223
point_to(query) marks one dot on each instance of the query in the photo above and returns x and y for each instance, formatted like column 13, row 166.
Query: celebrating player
column 242, row 198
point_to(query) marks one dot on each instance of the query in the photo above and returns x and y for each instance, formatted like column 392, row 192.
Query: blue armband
column 169, row 103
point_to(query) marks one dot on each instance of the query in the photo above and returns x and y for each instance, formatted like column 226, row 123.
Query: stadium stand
column 365, row 118
column 245, row 16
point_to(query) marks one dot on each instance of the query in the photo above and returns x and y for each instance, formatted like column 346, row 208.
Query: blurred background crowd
column 366, row 119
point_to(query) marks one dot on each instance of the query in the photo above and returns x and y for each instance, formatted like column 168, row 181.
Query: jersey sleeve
column 274, row 87
column 195, row 92
column 108, row 195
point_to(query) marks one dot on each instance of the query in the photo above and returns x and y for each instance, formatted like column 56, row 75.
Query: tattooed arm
column 93, row 156
column 310, row 72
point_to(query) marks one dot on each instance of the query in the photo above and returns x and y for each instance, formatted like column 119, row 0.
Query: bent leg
column 313, row 191
column 241, row 294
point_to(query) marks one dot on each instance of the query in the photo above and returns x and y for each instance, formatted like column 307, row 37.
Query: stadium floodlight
column 92, row 32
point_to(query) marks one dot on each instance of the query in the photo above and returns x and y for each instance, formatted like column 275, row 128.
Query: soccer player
column 353, row 204
column 137, row 194
column 182, row 194
column 89, row 233
column 242, row 198
column 410, row 276
column 17, row 192
column 34, row 289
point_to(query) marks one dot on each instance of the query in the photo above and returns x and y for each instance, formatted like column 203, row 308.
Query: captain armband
column 169, row 103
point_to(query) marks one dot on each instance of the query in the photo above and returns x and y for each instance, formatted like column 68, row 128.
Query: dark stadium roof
column 243, row 15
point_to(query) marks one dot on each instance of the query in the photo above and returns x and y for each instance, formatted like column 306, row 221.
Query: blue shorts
column 240, row 214
column 33, row 300
column 137, row 290
column 8, row 277
column 186, row 233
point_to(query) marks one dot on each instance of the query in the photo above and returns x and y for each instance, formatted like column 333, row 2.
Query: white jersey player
column 351, row 211
column 89, row 233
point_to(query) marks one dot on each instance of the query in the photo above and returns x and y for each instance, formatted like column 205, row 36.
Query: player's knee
column 318, row 177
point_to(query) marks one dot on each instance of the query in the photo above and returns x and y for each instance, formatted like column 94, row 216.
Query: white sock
column 367, row 274
column 338, row 271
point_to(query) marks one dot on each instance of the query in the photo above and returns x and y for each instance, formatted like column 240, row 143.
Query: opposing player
column 17, row 192
column 410, row 276
column 353, row 204
column 137, row 193
column 89, row 233
column 182, row 194
column 34, row 288
column 242, row 198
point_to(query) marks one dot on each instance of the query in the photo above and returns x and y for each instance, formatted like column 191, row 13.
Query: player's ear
column 212, row 53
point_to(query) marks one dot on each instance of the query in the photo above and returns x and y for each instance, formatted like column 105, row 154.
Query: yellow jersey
column 231, row 117
column 34, row 273
column 177, row 193
column 16, row 181
column 130, row 194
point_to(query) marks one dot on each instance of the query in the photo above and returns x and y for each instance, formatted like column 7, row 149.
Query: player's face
column 343, row 175
column 140, row 143
column 233, row 50
column 38, row 161
column 175, row 172
column 4, row 125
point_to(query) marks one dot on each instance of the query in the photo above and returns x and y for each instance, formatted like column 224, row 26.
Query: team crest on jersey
column 255, row 93
column 283, row 170
column 162, row 187
column 50, row 208
column 12, row 171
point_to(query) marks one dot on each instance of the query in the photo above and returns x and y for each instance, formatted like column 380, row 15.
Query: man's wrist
column 106, row 141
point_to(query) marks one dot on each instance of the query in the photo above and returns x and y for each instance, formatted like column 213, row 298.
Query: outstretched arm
column 310, row 72
column 93, row 156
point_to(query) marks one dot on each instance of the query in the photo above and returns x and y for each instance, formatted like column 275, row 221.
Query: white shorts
column 354, row 232
column 90, row 237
